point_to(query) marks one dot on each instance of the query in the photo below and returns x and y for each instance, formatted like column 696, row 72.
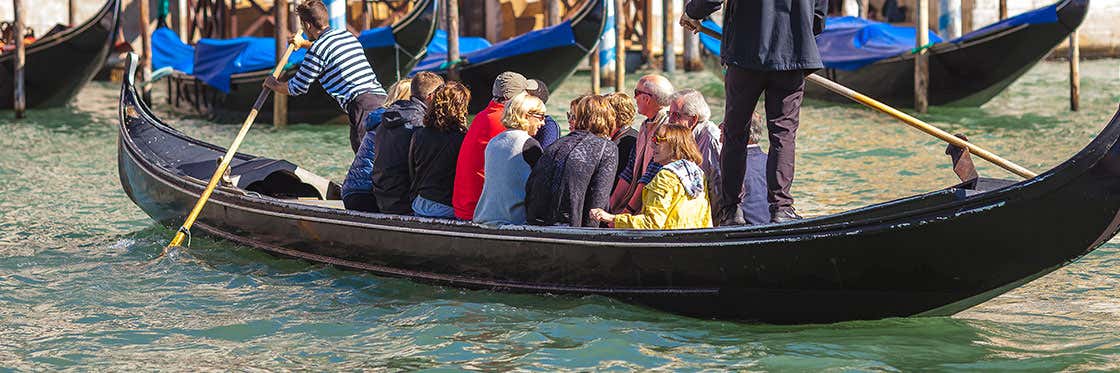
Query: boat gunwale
column 110, row 7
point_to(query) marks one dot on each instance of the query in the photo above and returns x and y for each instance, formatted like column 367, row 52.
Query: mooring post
column 72, row 12
column 668, row 55
column 691, row 51
column 453, row 39
column 921, row 60
column 280, row 102
column 492, row 9
column 146, row 50
column 20, row 103
column 367, row 14
column 593, row 60
column 554, row 17
column 1074, row 72
column 647, row 27
column 1002, row 10
column 620, row 45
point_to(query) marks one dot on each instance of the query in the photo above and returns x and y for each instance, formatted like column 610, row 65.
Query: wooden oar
column 224, row 164
column 913, row 122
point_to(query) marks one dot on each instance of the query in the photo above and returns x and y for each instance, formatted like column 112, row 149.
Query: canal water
column 79, row 289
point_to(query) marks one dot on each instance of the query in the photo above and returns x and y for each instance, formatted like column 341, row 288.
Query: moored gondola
column 59, row 65
column 390, row 62
column 968, row 71
column 932, row 254
column 550, row 54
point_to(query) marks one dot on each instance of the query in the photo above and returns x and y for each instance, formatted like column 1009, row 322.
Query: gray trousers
column 784, row 92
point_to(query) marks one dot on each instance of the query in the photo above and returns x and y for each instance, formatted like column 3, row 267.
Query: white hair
column 692, row 104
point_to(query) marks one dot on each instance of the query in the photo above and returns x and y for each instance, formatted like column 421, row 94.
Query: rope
column 921, row 48
column 164, row 8
column 186, row 232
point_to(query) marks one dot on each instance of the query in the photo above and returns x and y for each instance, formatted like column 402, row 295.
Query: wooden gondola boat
column 968, row 71
column 552, row 64
column 932, row 254
column 59, row 65
column 412, row 33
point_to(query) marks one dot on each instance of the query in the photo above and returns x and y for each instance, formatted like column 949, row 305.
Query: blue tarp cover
column 467, row 44
column 169, row 51
column 214, row 60
column 537, row 40
column 849, row 43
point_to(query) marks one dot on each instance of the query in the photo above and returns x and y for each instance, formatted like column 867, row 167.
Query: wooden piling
column 691, row 52
column 72, row 12
column 492, row 8
column 647, row 28
column 452, row 39
column 620, row 45
column 367, row 14
column 596, row 74
column 863, row 4
column 181, row 17
column 280, row 102
column 1074, row 72
column 20, row 103
column 145, row 50
column 553, row 13
column 1002, row 10
column 921, row 60
column 668, row 55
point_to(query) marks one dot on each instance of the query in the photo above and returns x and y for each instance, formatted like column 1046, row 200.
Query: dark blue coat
column 548, row 133
column 358, row 178
column 767, row 35
column 391, row 181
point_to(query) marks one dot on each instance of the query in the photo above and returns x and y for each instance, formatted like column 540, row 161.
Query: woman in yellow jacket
column 674, row 196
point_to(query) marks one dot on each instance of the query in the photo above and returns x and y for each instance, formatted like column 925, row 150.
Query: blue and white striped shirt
column 339, row 63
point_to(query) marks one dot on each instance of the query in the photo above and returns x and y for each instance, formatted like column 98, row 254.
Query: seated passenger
column 470, row 171
column 577, row 172
column 510, row 157
column 391, row 182
column 550, row 131
column 357, row 188
column 688, row 108
column 623, row 134
column 674, row 197
column 434, row 150
column 651, row 97
column 755, row 207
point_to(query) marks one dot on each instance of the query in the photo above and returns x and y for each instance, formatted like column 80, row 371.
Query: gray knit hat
column 509, row 84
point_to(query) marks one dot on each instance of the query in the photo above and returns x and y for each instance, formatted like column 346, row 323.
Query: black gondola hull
column 58, row 66
column 933, row 254
column 192, row 96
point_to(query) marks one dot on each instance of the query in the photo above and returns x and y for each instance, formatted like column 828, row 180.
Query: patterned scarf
column 691, row 176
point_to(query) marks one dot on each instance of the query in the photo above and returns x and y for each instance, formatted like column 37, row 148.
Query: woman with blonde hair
column 509, row 158
column 623, row 135
column 435, row 149
column 357, row 188
column 577, row 172
column 674, row 196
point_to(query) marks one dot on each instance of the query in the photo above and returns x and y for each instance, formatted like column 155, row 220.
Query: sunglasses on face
column 638, row 92
column 537, row 115
column 658, row 140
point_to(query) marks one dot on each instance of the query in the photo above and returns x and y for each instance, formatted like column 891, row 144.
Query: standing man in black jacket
column 768, row 46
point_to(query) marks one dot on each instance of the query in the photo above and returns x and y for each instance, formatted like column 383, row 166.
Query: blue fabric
column 216, row 59
column 755, row 207
column 467, row 44
column 1047, row 14
column 550, row 37
column 169, row 51
column 548, row 133
column 849, row 43
column 431, row 209
column 359, row 178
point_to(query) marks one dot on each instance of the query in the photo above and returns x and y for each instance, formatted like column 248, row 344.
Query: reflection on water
column 77, row 289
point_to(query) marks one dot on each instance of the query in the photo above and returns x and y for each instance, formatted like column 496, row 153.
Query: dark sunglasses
column 638, row 92
column 537, row 115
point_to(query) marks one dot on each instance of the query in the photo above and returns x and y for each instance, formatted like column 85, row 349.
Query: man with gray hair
column 651, row 97
column 688, row 108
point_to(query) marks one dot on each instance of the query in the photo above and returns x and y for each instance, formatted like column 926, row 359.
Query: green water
column 77, row 290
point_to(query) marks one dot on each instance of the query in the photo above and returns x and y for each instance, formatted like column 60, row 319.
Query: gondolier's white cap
column 509, row 84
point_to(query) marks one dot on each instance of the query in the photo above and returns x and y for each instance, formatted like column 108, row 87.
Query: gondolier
column 768, row 46
column 335, row 58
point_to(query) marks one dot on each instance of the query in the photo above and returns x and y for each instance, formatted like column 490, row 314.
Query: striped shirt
column 339, row 63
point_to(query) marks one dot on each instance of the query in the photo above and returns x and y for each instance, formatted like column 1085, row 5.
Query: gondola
column 933, row 254
column 550, row 54
column 59, row 65
column 190, row 95
column 968, row 71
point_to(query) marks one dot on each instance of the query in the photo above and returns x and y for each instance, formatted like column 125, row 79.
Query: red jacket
column 469, row 174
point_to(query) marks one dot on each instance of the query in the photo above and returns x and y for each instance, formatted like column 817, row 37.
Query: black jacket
column 573, row 176
column 767, row 35
column 432, row 158
column 391, row 181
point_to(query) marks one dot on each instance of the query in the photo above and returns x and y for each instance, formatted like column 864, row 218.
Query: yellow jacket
column 666, row 205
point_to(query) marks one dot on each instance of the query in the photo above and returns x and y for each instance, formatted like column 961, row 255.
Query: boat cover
column 849, row 43
column 437, row 48
column 214, row 60
column 560, row 35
